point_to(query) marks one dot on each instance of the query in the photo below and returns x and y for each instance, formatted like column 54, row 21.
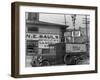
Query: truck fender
column 45, row 63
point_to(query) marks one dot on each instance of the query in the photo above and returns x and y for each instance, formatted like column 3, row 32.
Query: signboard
column 76, row 34
column 32, row 36
column 75, row 48
column 68, row 34
column 43, row 39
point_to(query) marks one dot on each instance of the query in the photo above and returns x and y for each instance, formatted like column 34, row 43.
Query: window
column 33, row 16
column 31, row 47
column 32, row 29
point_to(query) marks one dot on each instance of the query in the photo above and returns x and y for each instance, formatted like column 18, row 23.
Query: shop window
column 31, row 47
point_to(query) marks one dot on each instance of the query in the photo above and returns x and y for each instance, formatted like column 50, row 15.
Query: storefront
column 39, row 35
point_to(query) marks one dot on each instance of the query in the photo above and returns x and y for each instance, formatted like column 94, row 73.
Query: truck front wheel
column 45, row 63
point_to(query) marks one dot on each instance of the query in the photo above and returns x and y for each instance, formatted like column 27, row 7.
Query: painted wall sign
column 75, row 48
column 44, row 39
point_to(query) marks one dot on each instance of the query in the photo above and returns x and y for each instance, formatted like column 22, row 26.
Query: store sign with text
column 75, row 48
column 43, row 39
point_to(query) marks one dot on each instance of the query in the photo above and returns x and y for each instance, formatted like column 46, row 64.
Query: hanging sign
column 76, row 34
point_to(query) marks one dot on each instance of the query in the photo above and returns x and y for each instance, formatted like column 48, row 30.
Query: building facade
column 39, row 34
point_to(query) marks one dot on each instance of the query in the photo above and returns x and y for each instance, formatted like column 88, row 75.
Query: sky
column 60, row 19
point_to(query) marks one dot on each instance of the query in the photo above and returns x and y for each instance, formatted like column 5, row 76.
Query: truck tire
column 45, row 63
column 83, row 59
column 70, row 60
column 67, row 59
column 33, row 63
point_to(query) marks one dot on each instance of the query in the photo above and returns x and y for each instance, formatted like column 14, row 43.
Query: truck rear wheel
column 70, row 60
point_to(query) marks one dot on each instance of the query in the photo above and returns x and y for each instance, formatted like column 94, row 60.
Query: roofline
column 45, row 23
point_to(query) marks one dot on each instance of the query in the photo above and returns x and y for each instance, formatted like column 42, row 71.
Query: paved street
column 29, row 59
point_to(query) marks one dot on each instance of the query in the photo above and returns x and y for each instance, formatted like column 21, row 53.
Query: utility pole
column 73, row 20
column 63, row 30
column 65, row 19
column 86, row 22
